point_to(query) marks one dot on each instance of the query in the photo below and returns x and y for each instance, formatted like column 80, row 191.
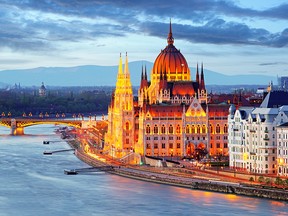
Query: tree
column 261, row 179
column 268, row 181
column 278, row 181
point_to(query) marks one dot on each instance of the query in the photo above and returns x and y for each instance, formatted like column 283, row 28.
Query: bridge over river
column 17, row 125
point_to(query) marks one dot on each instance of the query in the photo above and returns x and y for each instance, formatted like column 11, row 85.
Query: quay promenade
column 181, row 177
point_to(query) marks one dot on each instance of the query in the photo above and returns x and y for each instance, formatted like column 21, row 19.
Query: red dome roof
column 171, row 61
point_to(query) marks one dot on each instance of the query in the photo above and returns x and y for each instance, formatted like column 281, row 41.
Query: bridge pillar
column 16, row 130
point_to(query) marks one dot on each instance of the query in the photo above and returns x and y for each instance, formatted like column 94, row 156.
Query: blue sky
column 230, row 37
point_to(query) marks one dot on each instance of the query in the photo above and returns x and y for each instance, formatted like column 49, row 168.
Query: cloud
column 39, row 25
column 272, row 63
column 218, row 31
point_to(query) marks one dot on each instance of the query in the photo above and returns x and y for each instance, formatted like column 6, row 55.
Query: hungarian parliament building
column 171, row 115
column 174, row 116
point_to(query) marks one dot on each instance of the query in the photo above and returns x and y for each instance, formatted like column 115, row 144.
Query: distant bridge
column 17, row 125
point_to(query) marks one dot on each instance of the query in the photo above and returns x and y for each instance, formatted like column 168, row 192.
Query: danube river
column 34, row 184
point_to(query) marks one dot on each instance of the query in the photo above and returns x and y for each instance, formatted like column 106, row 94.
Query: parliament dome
column 172, row 62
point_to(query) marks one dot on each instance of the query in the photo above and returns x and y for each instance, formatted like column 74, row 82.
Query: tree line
column 17, row 103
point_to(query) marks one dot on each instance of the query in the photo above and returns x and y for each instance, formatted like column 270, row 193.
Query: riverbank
column 174, row 179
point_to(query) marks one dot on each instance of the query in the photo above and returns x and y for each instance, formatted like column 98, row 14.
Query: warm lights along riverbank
column 172, row 179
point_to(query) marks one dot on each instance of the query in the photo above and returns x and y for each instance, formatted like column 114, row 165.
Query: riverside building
column 171, row 115
column 253, row 132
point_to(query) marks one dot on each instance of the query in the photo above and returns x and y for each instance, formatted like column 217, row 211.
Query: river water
column 34, row 184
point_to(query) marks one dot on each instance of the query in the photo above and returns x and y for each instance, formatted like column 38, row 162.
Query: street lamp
column 234, row 167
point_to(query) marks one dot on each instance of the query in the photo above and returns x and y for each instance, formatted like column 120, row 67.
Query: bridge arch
column 17, row 125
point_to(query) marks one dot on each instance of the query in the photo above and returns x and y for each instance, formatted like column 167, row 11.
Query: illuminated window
column 148, row 146
column 192, row 129
column 203, row 128
column 178, row 129
column 225, row 129
column 170, row 129
column 171, row 145
column 163, row 129
column 127, row 125
column 148, row 129
column 155, row 129
column 178, row 145
column 127, row 141
column 155, row 145
column 211, row 128
column 187, row 129
column 217, row 128
column 198, row 129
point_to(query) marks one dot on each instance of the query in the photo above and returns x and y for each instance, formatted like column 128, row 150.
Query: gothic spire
column 126, row 69
column 202, row 77
column 197, row 74
column 120, row 67
column 170, row 39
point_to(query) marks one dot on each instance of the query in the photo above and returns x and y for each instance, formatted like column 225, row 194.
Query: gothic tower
column 120, row 135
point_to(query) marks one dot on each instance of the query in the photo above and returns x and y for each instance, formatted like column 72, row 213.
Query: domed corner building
column 171, row 117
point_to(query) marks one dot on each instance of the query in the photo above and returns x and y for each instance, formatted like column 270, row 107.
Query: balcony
column 252, row 130
column 266, row 138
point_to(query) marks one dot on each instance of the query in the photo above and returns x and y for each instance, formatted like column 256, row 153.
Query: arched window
column 193, row 129
column 148, row 129
column 187, row 129
column 170, row 129
column 217, row 128
column 198, row 129
column 178, row 129
column 211, row 128
column 163, row 129
column 127, row 125
column 203, row 128
column 225, row 128
column 155, row 129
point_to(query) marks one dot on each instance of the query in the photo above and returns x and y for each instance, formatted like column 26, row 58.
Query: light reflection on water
column 34, row 184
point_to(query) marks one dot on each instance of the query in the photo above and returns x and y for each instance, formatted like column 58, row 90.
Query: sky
column 230, row 37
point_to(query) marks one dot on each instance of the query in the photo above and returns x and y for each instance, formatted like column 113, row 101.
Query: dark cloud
column 218, row 31
column 272, row 63
column 19, row 31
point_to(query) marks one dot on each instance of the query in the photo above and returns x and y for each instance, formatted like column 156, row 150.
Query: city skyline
column 222, row 34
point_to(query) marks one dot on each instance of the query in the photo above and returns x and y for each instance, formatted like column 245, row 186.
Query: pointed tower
column 197, row 75
column 202, row 82
column 202, row 93
column 142, row 92
column 120, row 134
column 170, row 39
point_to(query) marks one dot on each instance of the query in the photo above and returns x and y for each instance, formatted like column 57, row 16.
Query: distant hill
column 94, row 75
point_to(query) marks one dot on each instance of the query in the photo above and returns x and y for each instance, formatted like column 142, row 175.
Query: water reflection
column 36, row 185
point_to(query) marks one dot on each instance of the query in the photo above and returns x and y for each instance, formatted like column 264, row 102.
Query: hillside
column 94, row 75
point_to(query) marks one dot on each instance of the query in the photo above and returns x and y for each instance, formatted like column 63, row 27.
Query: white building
column 252, row 135
column 236, row 137
column 282, row 145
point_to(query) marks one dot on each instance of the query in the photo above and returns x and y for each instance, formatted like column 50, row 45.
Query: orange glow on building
column 171, row 116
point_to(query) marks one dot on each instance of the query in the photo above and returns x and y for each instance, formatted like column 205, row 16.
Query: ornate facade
column 171, row 116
